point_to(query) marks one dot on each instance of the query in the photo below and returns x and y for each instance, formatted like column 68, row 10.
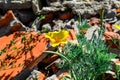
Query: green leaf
column 2, row 51
column 12, row 42
column 23, row 39
column 42, row 17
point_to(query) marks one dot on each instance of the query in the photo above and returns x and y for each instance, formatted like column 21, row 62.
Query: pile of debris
column 22, row 36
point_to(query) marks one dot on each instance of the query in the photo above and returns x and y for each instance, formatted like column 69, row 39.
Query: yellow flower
column 57, row 37
column 117, row 26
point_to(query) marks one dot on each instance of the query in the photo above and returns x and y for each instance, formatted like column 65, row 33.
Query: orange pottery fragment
column 41, row 76
column 110, row 36
column 65, row 16
column 94, row 21
column 118, row 10
column 7, row 19
column 9, row 16
column 22, row 50
column 49, row 17
column 108, row 27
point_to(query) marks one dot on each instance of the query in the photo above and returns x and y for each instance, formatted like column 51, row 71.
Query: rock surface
column 87, row 7
column 15, row 4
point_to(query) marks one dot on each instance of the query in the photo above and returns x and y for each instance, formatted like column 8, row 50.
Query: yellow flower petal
column 57, row 37
column 116, row 26
column 51, row 39
column 55, row 44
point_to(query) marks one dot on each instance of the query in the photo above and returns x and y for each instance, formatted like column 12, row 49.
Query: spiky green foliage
column 82, row 24
column 89, row 60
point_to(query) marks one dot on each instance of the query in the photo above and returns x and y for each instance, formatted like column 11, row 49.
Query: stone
column 25, row 16
column 116, row 61
column 115, row 50
column 116, row 3
column 110, row 16
column 45, row 10
column 35, row 75
column 15, row 4
column 75, row 26
column 53, row 77
column 72, row 24
column 36, row 6
column 118, row 15
column 92, row 30
column 58, row 25
column 56, row 4
column 88, row 8
column 46, row 27
column 84, row 0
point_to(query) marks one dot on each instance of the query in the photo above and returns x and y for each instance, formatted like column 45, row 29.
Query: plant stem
column 61, row 55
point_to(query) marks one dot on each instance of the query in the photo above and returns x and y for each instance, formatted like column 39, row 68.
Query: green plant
column 88, row 60
column 82, row 24
column 12, row 43
column 23, row 39
column 2, row 51
column 42, row 17
column 37, row 22
column 117, row 75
